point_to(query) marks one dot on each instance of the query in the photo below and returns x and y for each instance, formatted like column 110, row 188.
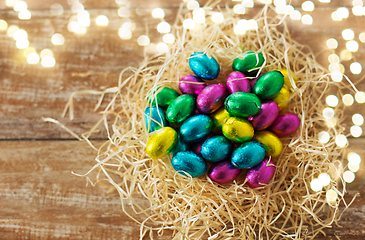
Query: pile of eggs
column 231, row 127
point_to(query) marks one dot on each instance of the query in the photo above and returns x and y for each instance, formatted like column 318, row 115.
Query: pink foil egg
column 211, row 98
column 192, row 85
column 237, row 82
column 285, row 125
column 261, row 174
column 267, row 116
column 223, row 172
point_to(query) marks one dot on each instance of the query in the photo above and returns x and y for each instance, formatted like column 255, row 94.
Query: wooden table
column 39, row 197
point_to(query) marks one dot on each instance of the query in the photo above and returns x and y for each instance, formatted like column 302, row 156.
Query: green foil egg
column 161, row 143
column 242, row 104
column 268, row 85
column 203, row 66
column 180, row 109
column 164, row 97
column 249, row 63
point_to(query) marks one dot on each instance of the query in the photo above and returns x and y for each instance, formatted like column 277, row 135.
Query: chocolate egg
column 196, row 128
column 192, row 85
column 287, row 81
column 237, row 82
column 261, row 174
column 161, row 143
column 267, row 116
column 248, row 155
column 180, row 109
column 164, row 97
column 180, row 146
column 203, row 66
column 271, row 142
column 238, row 130
column 249, row 63
column 268, row 85
column 223, row 172
column 189, row 162
column 155, row 118
column 219, row 118
column 216, row 149
column 211, row 98
column 282, row 98
column 242, row 104
column 285, row 125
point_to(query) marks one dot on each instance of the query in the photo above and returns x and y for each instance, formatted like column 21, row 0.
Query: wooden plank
column 41, row 199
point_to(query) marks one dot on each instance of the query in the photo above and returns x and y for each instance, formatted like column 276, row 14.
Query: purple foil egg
column 237, row 82
column 285, row 124
column 211, row 98
column 192, row 85
column 223, row 172
column 252, row 81
column 266, row 117
column 261, row 174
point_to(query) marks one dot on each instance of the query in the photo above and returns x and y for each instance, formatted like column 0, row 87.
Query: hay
column 197, row 208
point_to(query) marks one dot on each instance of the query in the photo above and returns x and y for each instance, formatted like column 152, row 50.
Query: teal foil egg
column 216, row 148
column 180, row 109
column 268, row 85
column 196, row 128
column 248, row 155
column 203, row 66
column 155, row 118
column 181, row 146
column 190, row 163
column 242, row 104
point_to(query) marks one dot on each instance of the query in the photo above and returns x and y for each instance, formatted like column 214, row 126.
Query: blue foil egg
column 155, row 118
column 203, row 66
column 216, row 148
column 196, row 128
column 248, row 155
column 181, row 146
column 190, row 163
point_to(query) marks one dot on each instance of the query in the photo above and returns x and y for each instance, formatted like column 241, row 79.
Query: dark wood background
column 39, row 197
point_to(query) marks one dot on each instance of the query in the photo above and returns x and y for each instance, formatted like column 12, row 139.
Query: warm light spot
column 348, row 34
column 357, row 3
column 20, row 6
column 162, row 47
column 358, row 119
column 11, row 3
column 316, row 185
column 343, row 12
column 332, row 100
column 33, row 58
column 324, row 137
column 353, row 168
column 308, row 6
column 193, row 5
column 3, row 25
column 123, row 12
column 331, row 195
column 48, row 61
column 78, row 7
column 307, row 19
column 83, row 18
column 199, row 15
column 348, row 176
column 325, row 179
column 217, row 17
column 189, row 23
column 352, row 46
column 295, row 15
column 279, row 2
column 143, row 40
column 22, row 43
column 328, row 113
column 331, row 123
column 357, row 10
column 239, row 29
column 252, row 24
column 169, row 38
column 11, row 30
column 58, row 39
column 335, row 17
column 163, row 27
column 56, row 9
column 325, row 1
column 20, row 34
column 239, row 9
column 158, row 13
column 125, row 33
column 243, row 24
column 356, row 131
column 248, row 3
column 28, row 51
column 24, row 15
column 333, row 58
column 348, row 99
column 354, row 158
column 362, row 37
column 334, row 67
column 72, row 2
column 360, row 97
column 332, row 43
column 46, row 53
column 355, row 68
column 341, row 140
column 336, row 76
column 346, row 55
column 127, row 24
column 102, row 20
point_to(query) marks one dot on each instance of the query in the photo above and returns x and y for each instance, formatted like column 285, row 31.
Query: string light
column 143, row 40
column 353, row 168
column 308, row 6
column 189, row 23
column 295, row 15
column 357, row 3
column 125, row 33
column 352, row 46
column 11, row 3
column 193, row 5
column 11, row 30
column 332, row 43
column 239, row 9
column 48, row 61
column 24, row 15
column 325, row 179
column 83, row 18
column 162, row 47
column 343, row 12
column 102, row 20
column 331, row 195
column 239, row 29
column 199, row 15
column 316, row 185
column 58, row 39
column 360, row 97
column 356, row 131
column 357, row 10
column 163, row 27
column 20, row 34
column 3, row 25
column 333, row 58
column 348, row 34
column 324, row 137
column 325, row 1
column 33, row 58
column 22, row 43
column 328, row 113
column 336, row 76
column 348, row 176
column 279, row 2
column 341, row 140
column 46, row 53
column 362, row 37
column 248, row 3
column 20, row 6
column 357, row 119
column 332, row 100
column 56, row 9
column 335, row 17
column 28, row 51
column 123, row 12
column 334, row 67
column 355, row 68
column 158, row 13
column 169, row 38
column 346, row 55
column 217, row 17
column 331, row 123
column 354, row 158
column 348, row 99
column 77, row 7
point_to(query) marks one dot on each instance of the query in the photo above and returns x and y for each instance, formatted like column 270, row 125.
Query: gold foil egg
column 271, row 142
column 238, row 130
column 161, row 143
column 282, row 98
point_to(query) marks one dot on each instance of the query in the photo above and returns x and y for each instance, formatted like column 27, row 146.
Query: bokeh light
column 28, row 51
column 348, row 34
column 163, row 27
column 11, row 30
column 336, row 76
column 308, row 6
column 295, row 15
column 362, row 37
column 343, row 12
column 354, row 158
column 341, row 140
column 357, row 119
column 24, row 15
column 331, row 196
column 162, row 47
column 328, row 113
column 20, row 6
column 348, row 99
column 3, row 25
column 348, row 176
column 356, row 131
column 168, row 38
column 355, row 68
column 352, row 46
column 20, row 34
column 189, row 23
column 102, row 20
column 143, row 40
column 324, row 137
column 353, row 167
column 46, row 53
column 125, row 33
column 217, row 17
column 56, row 9
column 22, row 43
column 58, row 39
column 158, row 13
column 239, row 9
column 307, row 19
column 325, row 179
column 193, row 5
column 332, row 43
column 345, row 55
column 48, row 61
column 316, row 185
column 33, row 58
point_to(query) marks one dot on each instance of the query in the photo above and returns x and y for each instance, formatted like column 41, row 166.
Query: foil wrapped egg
column 189, row 162
column 219, row 118
column 180, row 146
column 223, row 172
column 268, row 85
column 161, row 143
column 242, row 104
column 180, row 109
column 249, row 63
column 163, row 97
column 248, row 155
column 261, row 174
column 196, row 128
column 155, row 118
column 192, row 85
column 267, row 116
column 216, row 149
column 238, row 130
column 237, row 82
column 282, row 98
column 203, row 66
column 271, row 142
column 285, row 125
column 211, row 98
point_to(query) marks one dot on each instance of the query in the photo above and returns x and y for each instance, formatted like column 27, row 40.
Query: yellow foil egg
column 238, row 130
column 161, row 143
column 271, row 142
column 287, row 82
column 282, row 98
column 219, row 118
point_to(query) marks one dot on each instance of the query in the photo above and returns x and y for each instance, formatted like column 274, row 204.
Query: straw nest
column 197, row 208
